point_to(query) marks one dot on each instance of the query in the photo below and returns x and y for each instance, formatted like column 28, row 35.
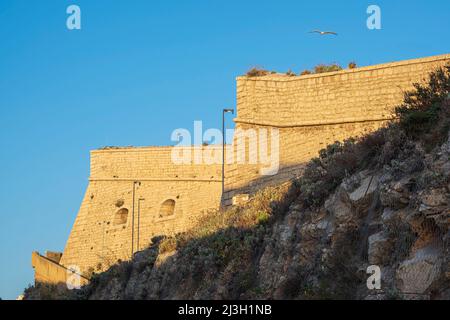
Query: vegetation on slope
column 423, row 118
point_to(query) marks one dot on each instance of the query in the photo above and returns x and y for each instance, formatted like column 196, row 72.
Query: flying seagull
column 322, row 33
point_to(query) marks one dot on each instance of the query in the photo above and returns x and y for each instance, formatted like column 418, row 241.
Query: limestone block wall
column 103, row 231
column 314, row 110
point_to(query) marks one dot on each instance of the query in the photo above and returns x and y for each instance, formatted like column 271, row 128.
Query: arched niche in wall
column 121, row 216
column 167, row 208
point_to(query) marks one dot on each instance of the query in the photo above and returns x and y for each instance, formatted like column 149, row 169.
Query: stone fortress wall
column 166, row 198
column 135, row 194
column 315, row 110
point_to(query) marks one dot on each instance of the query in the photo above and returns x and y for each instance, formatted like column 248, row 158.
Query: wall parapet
column 287, row 78
column 347, row 96
column 152, row 164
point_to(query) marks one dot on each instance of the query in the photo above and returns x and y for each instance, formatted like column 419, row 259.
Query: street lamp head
column 228, row 111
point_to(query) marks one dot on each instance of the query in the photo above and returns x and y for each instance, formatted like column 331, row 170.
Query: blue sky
column 139, row 69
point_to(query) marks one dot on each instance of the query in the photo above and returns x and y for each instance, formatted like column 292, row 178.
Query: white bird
column 322, row 33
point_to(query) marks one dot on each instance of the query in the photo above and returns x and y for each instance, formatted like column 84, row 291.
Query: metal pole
column 223, row 146
column 139, row 222
column 223, row 152
column 139, row 213
column 132, row 217
column 132, row 221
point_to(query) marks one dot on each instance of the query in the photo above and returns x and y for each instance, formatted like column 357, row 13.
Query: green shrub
column 262, row 217
column 424, row 114
column 423, row 105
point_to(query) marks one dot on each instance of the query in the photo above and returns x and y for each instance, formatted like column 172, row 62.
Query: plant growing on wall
column 322, row 68
column 305, row 72
column 257, row 72
column 290, row 73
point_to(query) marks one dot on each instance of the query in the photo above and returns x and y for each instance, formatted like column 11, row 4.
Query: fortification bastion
column 136, row 194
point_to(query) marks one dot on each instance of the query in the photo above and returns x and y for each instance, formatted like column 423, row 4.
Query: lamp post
column 139, row 222
column 135, row 183
column 223, row 145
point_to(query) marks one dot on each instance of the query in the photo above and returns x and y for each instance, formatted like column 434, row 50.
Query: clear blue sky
column 139, row 69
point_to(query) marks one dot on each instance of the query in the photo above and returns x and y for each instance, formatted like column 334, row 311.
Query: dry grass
column 323, row 68
column 290, row 73
column 259, row 210
column 257, row 72
column 352, row 65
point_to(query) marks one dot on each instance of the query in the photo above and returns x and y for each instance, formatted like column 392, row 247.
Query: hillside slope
column 380, row 200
